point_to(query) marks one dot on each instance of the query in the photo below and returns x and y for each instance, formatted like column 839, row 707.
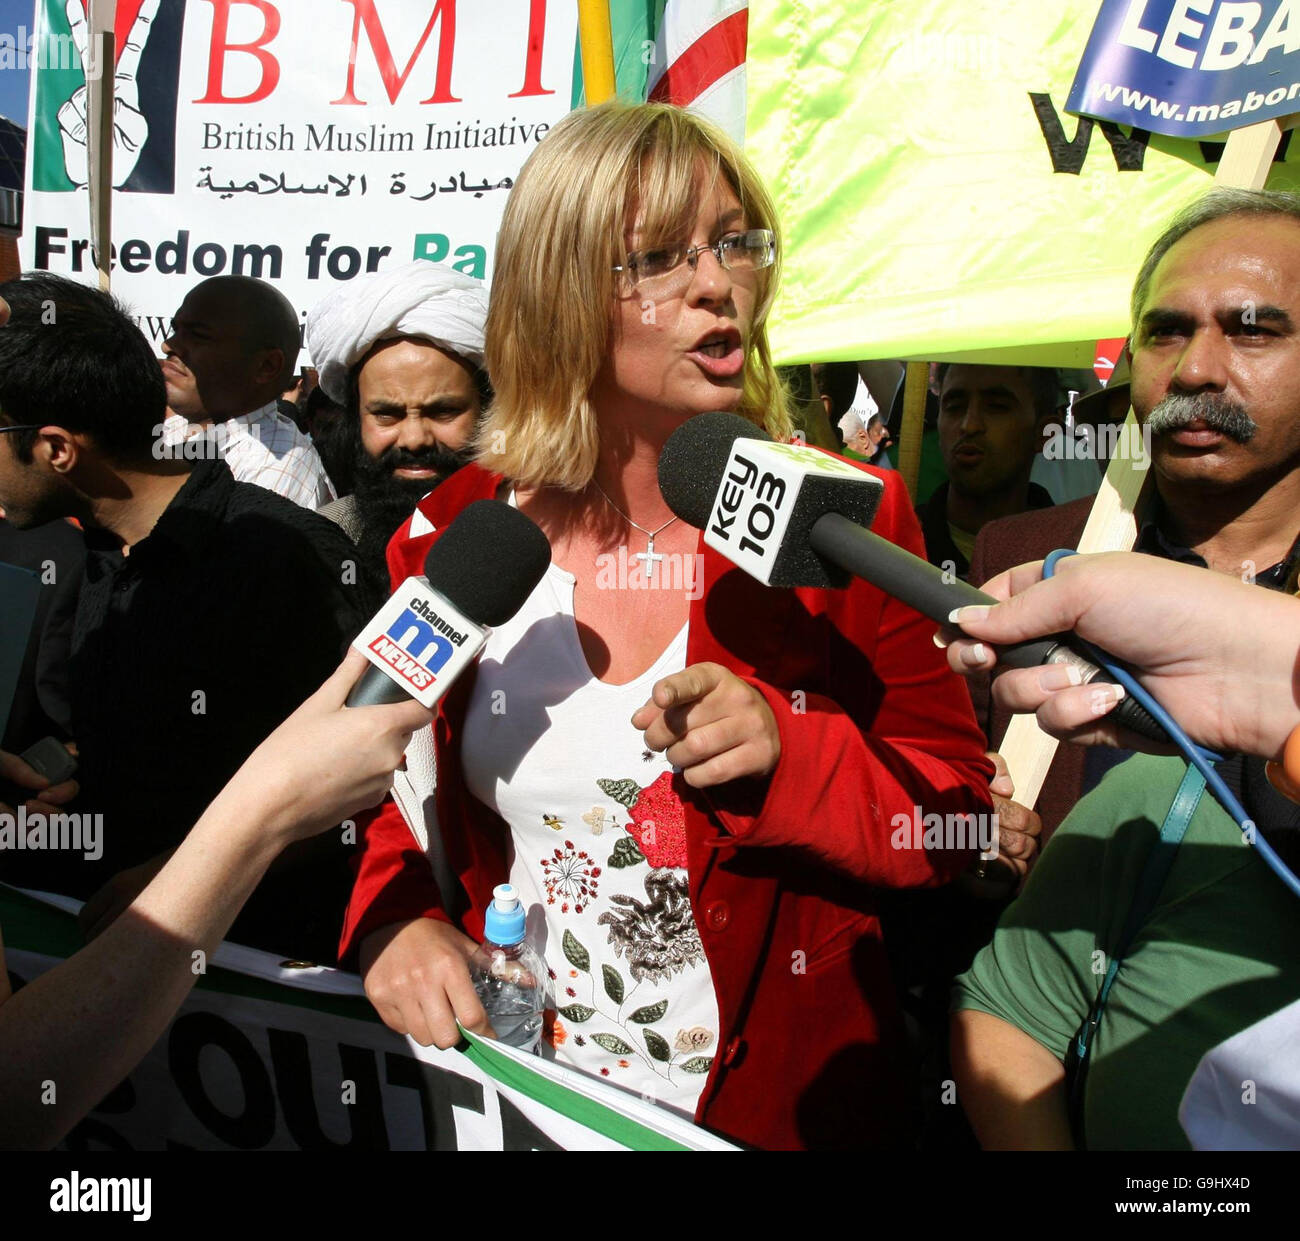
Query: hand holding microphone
column 478, row 574
column 325, row 763
column 791, row 515
column 1221, row 656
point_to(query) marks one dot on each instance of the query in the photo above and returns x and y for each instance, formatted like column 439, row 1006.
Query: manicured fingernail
column 975, row 656
column 939, row 640
column 1059, row 676
column 1104, row 697
column 974, row 612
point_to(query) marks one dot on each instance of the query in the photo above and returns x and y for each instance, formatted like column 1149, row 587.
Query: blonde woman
column 691, row 779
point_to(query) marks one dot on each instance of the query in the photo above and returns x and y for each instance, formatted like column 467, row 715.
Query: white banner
column 305, row 142
column 314, row 1069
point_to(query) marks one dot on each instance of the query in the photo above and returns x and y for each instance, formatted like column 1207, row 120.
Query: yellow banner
column 935, row 197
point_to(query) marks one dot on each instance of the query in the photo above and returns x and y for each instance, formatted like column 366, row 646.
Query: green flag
column 633, row 25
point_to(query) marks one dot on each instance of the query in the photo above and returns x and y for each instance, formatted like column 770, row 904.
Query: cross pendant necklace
column 649, row 556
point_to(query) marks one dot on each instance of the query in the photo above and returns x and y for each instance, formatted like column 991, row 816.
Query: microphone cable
column 1198, row 756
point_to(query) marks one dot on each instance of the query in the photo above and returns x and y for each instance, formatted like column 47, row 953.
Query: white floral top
column 599, row 852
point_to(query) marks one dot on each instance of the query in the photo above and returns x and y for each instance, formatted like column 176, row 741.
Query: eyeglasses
column 22, row 426
column 669, row 268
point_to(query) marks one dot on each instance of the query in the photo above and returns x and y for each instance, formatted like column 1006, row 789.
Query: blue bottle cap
column 504, row 923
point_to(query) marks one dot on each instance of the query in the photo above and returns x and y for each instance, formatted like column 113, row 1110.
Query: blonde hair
column 550, row 321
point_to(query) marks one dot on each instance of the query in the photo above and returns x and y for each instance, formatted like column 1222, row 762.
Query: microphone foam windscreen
column 488, row 562
column 767, row 506
column 692, row 461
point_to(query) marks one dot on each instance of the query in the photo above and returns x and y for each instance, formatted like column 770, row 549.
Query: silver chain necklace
column 648, row 556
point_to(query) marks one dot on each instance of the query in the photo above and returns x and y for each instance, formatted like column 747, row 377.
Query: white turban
column 420, row 299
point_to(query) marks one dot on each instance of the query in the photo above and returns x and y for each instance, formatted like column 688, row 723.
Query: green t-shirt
column 1219, row 952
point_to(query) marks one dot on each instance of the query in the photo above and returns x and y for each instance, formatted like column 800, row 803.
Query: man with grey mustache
column 1215, row 356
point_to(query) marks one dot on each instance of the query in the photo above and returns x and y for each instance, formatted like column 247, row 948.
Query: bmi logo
column 417, row 644
column 145, row 76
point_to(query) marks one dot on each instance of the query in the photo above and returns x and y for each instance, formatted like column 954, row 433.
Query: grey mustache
column 1219, row 413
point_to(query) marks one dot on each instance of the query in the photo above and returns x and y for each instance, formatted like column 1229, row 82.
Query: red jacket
column 781, row 871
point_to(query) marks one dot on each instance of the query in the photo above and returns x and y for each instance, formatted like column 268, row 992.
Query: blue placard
column 19, row 590
column 1190, row 68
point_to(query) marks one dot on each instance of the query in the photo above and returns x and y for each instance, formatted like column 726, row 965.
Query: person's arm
column 1011, row 1087
column 1021, row 1003
column 1222, row 657
column 85, row 1023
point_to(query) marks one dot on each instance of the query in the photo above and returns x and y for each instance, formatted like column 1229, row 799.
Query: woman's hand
column 712, row 725
column 416, row 975
column 1222, row 657
column 327, row 760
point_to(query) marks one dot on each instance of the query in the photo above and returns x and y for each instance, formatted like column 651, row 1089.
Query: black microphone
column 791, row 515
column 478, row 574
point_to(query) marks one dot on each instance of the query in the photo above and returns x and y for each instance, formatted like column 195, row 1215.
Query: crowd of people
column 696, row 793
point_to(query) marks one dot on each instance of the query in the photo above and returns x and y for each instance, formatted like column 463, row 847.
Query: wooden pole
column 1249, row 153
column 597, row 43
column 1112, row 527
column 915, row 383
column 1112, row 524
column 99, row 133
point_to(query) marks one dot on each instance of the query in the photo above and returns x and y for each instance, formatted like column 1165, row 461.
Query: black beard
column 384, row 501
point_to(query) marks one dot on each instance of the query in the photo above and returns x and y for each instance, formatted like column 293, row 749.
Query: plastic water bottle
column 508, row 974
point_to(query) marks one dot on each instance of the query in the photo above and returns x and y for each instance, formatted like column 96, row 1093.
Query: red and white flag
column 700, row 60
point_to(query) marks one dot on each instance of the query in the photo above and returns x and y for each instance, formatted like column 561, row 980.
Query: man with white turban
column 402, row 352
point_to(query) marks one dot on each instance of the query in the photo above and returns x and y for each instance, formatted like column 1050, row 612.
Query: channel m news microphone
column 478, row 574
column 791, row 515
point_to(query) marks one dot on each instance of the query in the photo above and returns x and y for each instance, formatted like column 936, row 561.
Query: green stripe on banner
column 621, row 1129
column 32, row 926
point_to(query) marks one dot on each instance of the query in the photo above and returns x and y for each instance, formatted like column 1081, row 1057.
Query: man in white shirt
column 231, row 353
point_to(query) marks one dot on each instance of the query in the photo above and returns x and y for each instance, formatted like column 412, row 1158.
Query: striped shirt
column 263, row 447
